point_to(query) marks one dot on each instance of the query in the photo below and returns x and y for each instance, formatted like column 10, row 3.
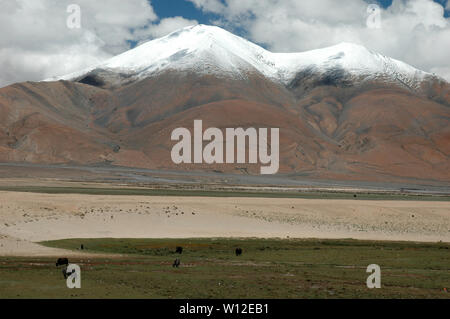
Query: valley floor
column 27, row 218
column 267, row 268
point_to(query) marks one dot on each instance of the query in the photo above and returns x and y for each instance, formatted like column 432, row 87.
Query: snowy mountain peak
column 212, row 50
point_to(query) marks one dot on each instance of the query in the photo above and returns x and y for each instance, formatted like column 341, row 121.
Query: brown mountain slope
column 386, row 131
column 370, row 132
column 50, row 123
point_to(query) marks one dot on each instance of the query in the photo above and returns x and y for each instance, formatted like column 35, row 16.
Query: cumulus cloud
column 414, row 31
column 167, row 25
column 215, row 6
column 36, row 43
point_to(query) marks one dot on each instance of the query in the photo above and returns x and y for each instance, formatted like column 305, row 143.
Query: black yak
column 66, row 273
column 176, row 263
column 179, row 250
column 62, row 261
column 238, row 251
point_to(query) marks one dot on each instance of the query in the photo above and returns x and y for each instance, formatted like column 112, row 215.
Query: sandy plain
column 27, row 218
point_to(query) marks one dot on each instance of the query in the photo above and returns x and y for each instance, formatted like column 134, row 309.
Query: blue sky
column 183, row 8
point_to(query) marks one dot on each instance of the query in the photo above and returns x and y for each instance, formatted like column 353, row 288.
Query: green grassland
column 268, row 268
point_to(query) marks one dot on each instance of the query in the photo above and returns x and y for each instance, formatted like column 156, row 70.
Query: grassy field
column 224, row 193
column 271, row 268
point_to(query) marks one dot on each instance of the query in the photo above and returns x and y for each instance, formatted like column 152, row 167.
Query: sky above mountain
column 36, row 42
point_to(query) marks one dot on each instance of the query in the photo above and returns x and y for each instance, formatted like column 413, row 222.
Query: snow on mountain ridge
column 210, row 49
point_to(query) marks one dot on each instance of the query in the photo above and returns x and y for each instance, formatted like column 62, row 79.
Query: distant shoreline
column 254, row 192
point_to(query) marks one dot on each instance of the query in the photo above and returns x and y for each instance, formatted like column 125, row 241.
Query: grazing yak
column 176, row 263
column 179, row 250
column 66, row 273
column 238, row 251
column 62, row 261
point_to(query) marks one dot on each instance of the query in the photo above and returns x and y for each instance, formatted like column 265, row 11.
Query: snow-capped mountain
column 343, row 112
column 212, row 50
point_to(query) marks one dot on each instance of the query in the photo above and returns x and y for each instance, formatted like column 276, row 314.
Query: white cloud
column 35, row 42
column 414, row 31
column 209, row 5
column 168, row 25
